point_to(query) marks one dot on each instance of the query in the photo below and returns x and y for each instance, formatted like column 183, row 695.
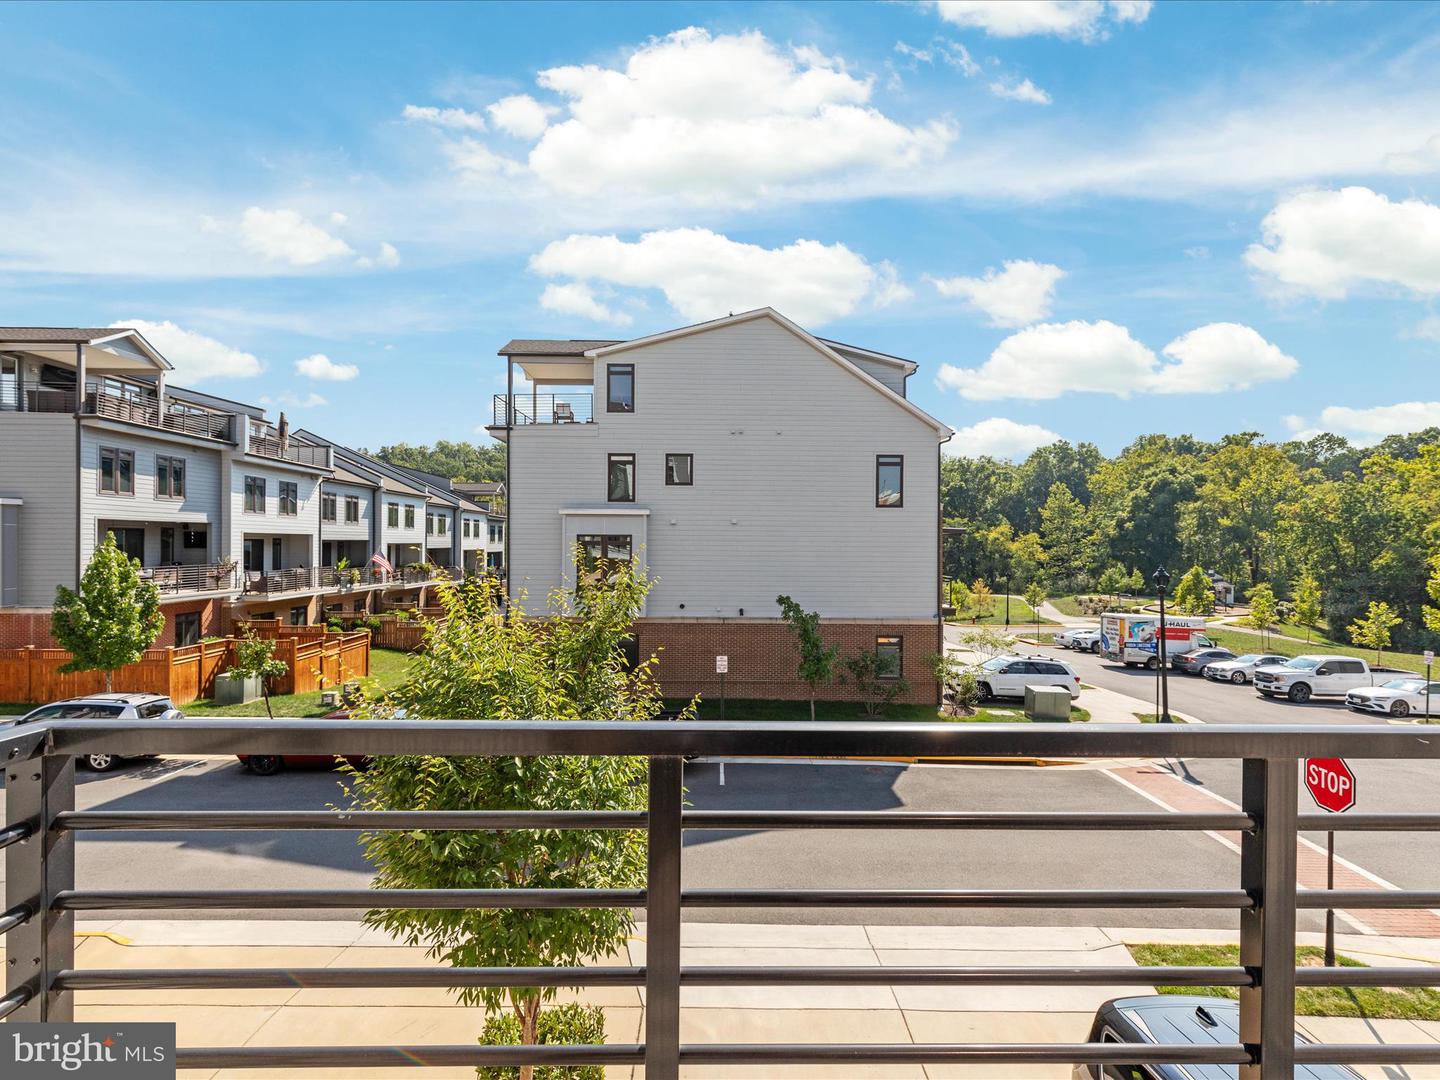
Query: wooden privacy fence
column 188, row 672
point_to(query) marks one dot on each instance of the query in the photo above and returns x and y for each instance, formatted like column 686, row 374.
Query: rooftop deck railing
column 270, row 445
column 543, row 409
column 42, row 899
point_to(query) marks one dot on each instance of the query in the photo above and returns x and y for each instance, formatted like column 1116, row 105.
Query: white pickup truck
column 1319, row 675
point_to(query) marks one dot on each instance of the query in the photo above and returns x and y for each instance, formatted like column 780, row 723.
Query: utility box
column 1047, row 703
column 230, row 690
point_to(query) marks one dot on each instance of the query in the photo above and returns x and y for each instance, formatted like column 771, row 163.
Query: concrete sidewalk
column 891, row 1014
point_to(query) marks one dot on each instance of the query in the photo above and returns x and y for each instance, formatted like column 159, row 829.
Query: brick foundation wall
column 30, row 626
column 211, row 619
column 763, row 656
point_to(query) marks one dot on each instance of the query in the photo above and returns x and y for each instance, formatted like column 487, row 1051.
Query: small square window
column 889, row 480
column 890, row 652
column 620, row 387
column 679, row 470
column 620, row 478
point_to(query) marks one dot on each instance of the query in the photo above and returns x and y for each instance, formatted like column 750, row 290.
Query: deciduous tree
column 1194, row 595
column 1372, row 629
column 113, row 617
column 817, row 660
column 1307, row 602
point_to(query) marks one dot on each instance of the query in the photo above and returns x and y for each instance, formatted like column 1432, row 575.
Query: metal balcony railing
column 297, row 579
column 144, row 408
column 543, row 409
column 205, row 577
column 41, row 399
column 41, row 901
column 352, row 577
column 269, row 445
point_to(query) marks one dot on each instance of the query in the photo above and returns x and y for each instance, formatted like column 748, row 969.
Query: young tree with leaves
column 1112, row 581
column 565, row 669
column 1035, row 596
column 1263, row 610
column 1307, row 603
column 817, row 660
column 1372, row 629
column 255, row 659
column 113, row 618
column 1135, row 584
column 960, row 598
column 1194, row 595
column 982, row 600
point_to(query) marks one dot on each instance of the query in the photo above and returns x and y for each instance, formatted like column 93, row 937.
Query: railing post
column 662, row 920
column 1267, row 931
column 37, row 868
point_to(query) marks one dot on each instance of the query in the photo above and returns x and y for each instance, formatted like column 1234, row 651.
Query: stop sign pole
column 1332, row 785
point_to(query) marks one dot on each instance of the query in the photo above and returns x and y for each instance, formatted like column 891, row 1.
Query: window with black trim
column 328, row 507
column 620, row 477
column 619, row 387
column 254, row 556
column 117, row 471
column 409, row 517
column 169, row 477
column 187, row 628
column 197, row 538
column 890, row 657
column 254, row 494
column 602, row 553
column 889, row 480
column 392, row 515
column 679, row 470
column 299, row 616
column 352, row 509
column 289, row 498
column 167, row 545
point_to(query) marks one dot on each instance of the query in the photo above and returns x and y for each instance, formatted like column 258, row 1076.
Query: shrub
column 876, row 679
column 572, row 1024
column 959, row 684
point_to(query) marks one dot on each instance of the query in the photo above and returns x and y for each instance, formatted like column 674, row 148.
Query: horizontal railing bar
column 1373, row 899
column 16, row 916
column 246, row 735
column 968, row 898
column 966, row 1053
column 16, row 999
column 404, row 820
column 887, row 819
column 1368, row 976
column 1368, row 822
column 335, row 978
column 373, row 820
column 13, row 834
column 1366, row 1053
column 388, row 1057
column 446, row 899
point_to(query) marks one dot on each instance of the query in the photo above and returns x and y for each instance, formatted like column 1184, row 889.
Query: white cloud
column 999, row 438
column 319, row 366
column 577, row 298
column 285, row 236
column 473, row 158
column 1025, row 91
column 1326, row 242
column 195, row 356
column 1085, row 20
column 387, row 256
column 716, row 118
column 705, row 275
column 288, row 400
column 958, row 57
column 1021, row 293
column 1427, row 329
column 521, row 115
column 454, row 119
column 1425, row 159
column 1045, row 361
column 888, row 288
column 1198, row 252
column 1368, row 426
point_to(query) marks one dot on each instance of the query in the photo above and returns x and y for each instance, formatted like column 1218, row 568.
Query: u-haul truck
column 1134, row 639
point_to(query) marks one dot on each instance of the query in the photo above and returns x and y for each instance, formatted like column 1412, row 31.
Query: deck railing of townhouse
column 41, row 399
column 144, row 408
column 203, row 577
column 300, row 453
column 544, row 409
column 295, row 579
column 353, row 577
column 42, row 899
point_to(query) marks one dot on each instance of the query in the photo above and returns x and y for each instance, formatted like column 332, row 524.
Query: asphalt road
column 791, row 859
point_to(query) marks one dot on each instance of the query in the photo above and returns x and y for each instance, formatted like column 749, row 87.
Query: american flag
column 382, row 562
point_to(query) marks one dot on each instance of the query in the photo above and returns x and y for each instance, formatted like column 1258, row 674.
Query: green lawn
column 387, row 669
column 1067, row 605
column 1240, row 642
column 1371, row 1002
column 1021, row 614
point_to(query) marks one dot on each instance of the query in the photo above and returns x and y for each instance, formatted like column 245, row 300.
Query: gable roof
column 120, row 341
column 558, row 347
column 944, row 430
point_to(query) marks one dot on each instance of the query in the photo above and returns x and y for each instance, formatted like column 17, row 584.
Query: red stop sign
column 1330, row 783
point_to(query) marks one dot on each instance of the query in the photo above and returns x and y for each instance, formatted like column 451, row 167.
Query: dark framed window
column 890, row 652
column 392, row 515
column 299, row 616
column 442, row 524
column 197, row 538
column 254, row 556
column 187, row 628
column 289, row 498
column 277, row 552
column 619, row 387
column 167, row 545
column 889, row 480
column 679, row 470
column 409, row 517
column 327, row 507
column 254, row 494
column 620, row 477
column 117, row 471
column 429, row 524
column 352, row 509
column 131, row 542
column 169, row 477
column 602, row 553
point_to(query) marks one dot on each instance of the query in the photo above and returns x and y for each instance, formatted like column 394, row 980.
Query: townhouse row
column 230, row 515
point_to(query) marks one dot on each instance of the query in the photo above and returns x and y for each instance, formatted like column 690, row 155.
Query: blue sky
column 1092, row 219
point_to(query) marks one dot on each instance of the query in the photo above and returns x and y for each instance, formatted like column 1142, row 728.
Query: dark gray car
column 1161, row 1019
column 1196, row 661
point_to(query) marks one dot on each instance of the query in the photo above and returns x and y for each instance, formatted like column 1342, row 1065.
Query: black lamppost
column 1007, row 601
column 1161, row 578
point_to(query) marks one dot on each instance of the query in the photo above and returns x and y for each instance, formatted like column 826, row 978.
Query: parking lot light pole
column 1161, row 578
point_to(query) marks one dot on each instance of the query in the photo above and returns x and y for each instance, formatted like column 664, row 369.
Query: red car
column 270, row 764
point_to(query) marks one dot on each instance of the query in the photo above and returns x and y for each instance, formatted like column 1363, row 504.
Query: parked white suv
column 1066, row 638
column 1085, row 641
column 1319, row 675
column 105, row 707
column 1008, row 676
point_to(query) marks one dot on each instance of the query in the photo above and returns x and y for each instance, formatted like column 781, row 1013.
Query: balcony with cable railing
column 550, row 409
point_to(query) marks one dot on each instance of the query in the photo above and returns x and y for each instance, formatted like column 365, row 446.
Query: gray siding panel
column 784, row 443
column 37, row 464
column 9, row 556
column 887, row 374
